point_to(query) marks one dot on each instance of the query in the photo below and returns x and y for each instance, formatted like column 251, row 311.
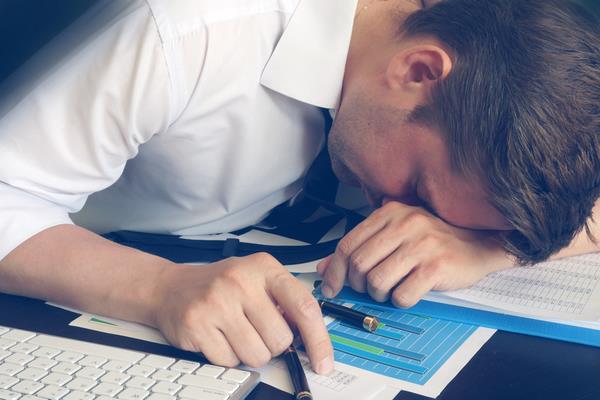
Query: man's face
column 374, row 147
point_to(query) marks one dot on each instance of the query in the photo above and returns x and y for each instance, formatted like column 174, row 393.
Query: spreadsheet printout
column 566, row 289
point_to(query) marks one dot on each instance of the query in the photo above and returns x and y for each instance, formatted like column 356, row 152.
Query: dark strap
column 181, row 250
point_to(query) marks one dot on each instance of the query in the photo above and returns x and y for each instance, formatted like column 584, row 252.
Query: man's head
column 487, row 112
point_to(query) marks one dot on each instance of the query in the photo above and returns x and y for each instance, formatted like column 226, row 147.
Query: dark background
column 26, row 25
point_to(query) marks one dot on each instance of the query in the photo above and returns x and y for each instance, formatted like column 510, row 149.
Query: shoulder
column 178, row 18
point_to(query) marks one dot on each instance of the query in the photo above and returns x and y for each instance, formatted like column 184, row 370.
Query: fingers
column 270, row 325
column 217, row 349
column 415, row 286
column 324, row 264
column 301, row 307
column 371, row 253
column 246, row 342
column 385, row 276
column 335, row 274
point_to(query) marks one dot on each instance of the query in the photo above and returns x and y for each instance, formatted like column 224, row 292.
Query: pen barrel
column 299, row 381
column 348, row 315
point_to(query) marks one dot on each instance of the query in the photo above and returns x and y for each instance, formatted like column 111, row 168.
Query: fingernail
column 326, row 290
column 325, row 366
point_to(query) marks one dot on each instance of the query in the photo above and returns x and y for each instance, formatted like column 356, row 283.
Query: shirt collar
column 309, row 61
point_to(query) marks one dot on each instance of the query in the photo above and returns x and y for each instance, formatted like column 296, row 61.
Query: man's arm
column 402, row 252
column 231, row 311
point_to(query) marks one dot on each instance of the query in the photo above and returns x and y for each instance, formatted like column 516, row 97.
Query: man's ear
column 415, row 70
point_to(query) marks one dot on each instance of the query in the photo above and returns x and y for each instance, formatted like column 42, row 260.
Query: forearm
column 69, row 265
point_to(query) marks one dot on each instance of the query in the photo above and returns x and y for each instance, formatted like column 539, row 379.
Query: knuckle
column 344, row 248
column 357, row 262
column 322, row 347
column 416, row 218
column 308, row 307
column 282, row 342
column 282, row 278
column 263, row 258
column 430, row 241
column 376, row 279
column 232, row 274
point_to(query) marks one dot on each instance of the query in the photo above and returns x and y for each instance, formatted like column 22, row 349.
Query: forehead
column 461, row 201
column 458, row 198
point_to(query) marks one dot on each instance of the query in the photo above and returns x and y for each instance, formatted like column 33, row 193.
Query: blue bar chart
column 410, row 347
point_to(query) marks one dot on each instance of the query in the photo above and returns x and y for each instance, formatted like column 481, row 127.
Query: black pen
column 301, row 389
column 350, row 316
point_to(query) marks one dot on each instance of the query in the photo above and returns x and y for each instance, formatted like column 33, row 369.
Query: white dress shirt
column 187, row 117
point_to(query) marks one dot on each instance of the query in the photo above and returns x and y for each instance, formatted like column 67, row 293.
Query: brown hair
column 521, row 109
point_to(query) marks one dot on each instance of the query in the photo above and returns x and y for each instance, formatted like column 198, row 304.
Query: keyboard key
column 33, row 374
column 184, row 366
column 208, row 383
column 201, row 393
column 69, row 356
column 165, row 375
column 30, row 397
column 158, row 362
column 4, row 354
column 52, row 392
column 81, row 384
column 10, row 369
column 210, row 370
column 7, row 381
column 8, row 395
column 56, row 379
column 66, row 368
column 90, row 373
column 133, row 394
column 76, row 395
column 90, row 349
column 18, row 335
column 42, row 363
column 116, row 365
column 140, row 383
column 140, row 370
column 6, row 344
column 47, row 352
column 160, row 396
column 118, row 378
column 27, row 387
column 107, row 389
column 166, row 388
column 235, row 375
column 19, row 359
column 24, row 348
column 92, row 361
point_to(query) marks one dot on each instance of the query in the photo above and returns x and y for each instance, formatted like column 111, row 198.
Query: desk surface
column 509, row 366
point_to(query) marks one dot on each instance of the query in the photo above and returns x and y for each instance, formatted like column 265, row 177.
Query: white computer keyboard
column 37, row 366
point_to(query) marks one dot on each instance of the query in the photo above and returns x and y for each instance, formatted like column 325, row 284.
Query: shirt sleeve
column 72, row 134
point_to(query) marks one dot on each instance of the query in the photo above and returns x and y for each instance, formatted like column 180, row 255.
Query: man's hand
column 404, row 252
column 233, row 311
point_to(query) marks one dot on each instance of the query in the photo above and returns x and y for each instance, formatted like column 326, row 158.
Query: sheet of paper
column 345, row 381
column 443, row 298
column 567, row 289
